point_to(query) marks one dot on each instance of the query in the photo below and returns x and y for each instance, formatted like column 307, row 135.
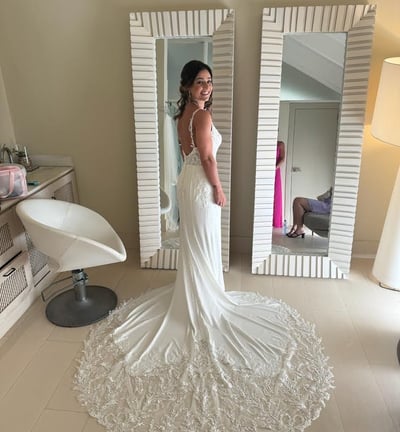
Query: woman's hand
column 219, row 196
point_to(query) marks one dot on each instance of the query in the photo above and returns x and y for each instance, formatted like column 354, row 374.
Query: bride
column 191, row 356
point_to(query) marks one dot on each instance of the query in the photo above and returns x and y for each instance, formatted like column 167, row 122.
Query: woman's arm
column 202, row 137
column 282, row 154
column 325, row 196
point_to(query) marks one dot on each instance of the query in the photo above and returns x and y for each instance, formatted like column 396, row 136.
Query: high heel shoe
column 295, row 234
column 291, row 231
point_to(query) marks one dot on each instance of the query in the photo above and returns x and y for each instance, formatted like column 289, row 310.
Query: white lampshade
column 386, row 127
column 385, row 124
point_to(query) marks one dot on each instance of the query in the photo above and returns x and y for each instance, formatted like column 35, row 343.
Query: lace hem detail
column 202, row 390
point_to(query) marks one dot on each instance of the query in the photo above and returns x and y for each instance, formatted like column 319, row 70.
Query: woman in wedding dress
column 190, row 356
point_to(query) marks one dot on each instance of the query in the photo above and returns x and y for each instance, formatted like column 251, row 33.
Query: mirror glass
column 161, row 43
column 282, row 117
column 310, row 99
column 172, row 54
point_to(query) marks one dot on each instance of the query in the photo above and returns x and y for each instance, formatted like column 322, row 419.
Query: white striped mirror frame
column 145, row 28
column 357, row 21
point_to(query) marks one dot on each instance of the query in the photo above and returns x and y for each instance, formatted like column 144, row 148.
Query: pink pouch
column 12, row 182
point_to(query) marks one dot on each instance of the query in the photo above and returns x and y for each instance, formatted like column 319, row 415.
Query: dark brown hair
column 188, row 75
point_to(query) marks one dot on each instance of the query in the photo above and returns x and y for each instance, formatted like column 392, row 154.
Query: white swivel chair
column 73, row 237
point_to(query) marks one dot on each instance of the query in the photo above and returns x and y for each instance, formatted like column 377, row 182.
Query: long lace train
column 203, row 389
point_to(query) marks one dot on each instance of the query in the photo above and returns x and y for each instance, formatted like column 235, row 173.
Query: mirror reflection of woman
column 191, row 356
column 195, row 129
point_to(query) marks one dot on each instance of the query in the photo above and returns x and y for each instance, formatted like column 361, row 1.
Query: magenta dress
column 277, row 221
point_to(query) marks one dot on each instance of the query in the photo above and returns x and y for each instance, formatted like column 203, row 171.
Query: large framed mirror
column 278, row 115
column 152, row 36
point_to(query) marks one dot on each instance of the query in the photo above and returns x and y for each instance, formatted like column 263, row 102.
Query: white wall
column 7, row 135
column 66, row 69
column 296, row 86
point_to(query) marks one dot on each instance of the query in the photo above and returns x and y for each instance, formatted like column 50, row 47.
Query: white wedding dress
column 192, row 357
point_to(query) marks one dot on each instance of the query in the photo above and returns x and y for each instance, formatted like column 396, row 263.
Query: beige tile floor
column 359, row 324
column 311, row 244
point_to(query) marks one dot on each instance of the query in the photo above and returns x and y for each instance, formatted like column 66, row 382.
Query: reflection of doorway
column 311, row 151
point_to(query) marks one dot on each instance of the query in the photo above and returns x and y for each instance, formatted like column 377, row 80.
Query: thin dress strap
column 191, row 128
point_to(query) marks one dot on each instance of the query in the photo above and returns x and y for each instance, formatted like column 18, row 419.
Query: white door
column 311, row 151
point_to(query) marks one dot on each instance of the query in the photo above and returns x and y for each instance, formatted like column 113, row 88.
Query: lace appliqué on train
column 203, row 391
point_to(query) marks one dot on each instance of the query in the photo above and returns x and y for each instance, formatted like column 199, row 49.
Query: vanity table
column 24, row 272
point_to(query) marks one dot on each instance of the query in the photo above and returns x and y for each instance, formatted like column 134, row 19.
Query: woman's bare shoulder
column 202, row 118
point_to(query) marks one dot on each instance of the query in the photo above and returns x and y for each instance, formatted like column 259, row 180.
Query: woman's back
column 195, row 125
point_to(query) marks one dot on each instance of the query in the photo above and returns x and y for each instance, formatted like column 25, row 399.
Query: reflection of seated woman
column 321, row 205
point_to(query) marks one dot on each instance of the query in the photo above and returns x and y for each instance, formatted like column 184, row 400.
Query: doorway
column 311, row 151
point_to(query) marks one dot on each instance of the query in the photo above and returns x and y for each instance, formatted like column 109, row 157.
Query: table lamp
column 385, row 126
